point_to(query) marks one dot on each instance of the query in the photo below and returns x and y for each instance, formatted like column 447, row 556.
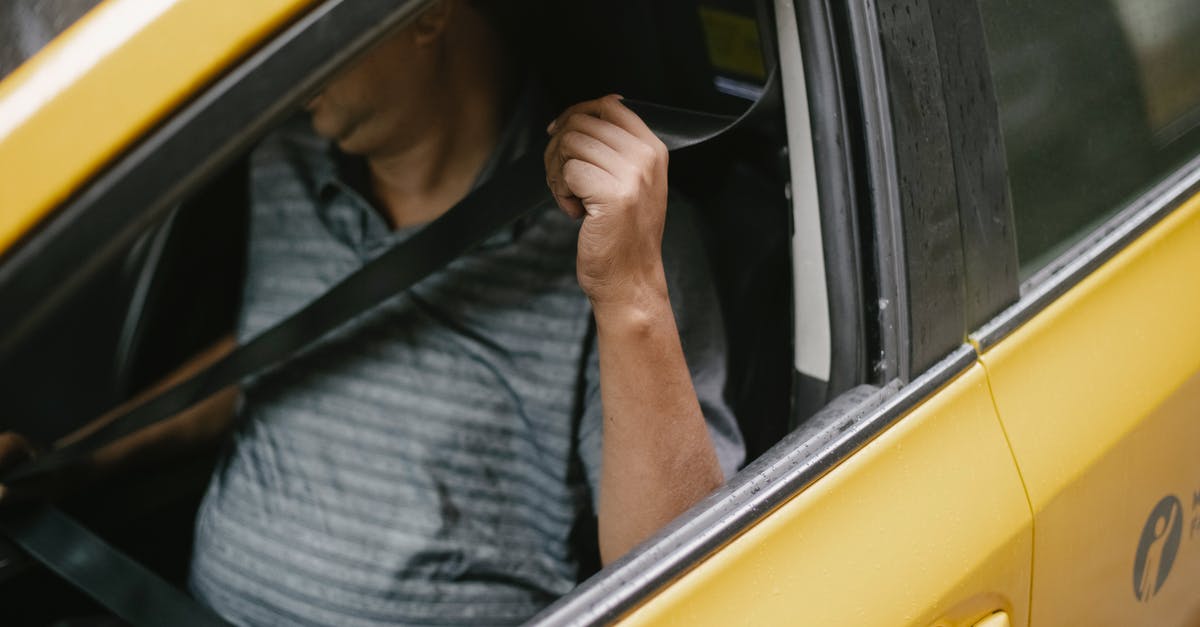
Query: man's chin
column 349, row 144
column 321, row 125
column 345, row 137
column 327, row 131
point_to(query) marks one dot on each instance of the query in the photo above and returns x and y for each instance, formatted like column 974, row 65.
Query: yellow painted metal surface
column 1100, row 395
column 999, row 619
column 104, row 82
column 928, row 524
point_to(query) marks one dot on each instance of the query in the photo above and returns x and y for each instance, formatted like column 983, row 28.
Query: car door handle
column 996, row 619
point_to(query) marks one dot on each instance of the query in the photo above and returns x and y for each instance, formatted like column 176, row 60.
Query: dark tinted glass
column 26, row 26
column 1099, row 99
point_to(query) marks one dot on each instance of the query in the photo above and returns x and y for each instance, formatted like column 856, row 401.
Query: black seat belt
column 141, row 597
column 112, row 578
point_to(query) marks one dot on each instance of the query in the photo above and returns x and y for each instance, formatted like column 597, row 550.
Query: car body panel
column 928, row 522
column 91, row 92
column 1100, row 396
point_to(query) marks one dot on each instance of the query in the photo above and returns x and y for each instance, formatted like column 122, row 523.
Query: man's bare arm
column 658, row 459
column 604, row 165
column 187, row 431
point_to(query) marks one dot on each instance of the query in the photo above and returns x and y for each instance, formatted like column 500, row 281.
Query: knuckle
column 573, row 140
column 647, row 154
column 660, row 150
column 556, row 183
column 572, row 169
column 609, row 103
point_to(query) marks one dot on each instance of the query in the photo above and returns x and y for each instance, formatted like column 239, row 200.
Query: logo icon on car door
column 1157, row 548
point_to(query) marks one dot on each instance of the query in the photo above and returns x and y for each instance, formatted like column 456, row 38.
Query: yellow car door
column 1096, row 371
column 927, row 524
column 1100, row 395
column 899, row 502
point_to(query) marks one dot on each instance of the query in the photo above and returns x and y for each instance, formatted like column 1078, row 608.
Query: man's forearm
column 188, row 430
column 603, row 164
column 658, row 459
column 181, row 434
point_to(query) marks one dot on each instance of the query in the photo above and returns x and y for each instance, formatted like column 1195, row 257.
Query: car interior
column 177, row 288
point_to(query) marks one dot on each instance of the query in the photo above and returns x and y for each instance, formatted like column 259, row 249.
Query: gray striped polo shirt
column 427, row 463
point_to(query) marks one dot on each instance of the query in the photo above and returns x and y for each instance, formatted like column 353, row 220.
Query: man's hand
column 604, row 165
column 15, row 450
column 190, row 430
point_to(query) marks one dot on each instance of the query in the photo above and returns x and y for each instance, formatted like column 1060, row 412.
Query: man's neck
column 423, row 179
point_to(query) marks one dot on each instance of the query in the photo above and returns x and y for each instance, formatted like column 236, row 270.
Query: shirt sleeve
column 702, row 334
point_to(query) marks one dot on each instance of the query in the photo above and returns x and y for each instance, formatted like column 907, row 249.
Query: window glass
column 1165, row 36
column 1098, row 101
column 26, row 26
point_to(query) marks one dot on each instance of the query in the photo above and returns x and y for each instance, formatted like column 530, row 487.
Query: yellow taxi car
column 957, row 256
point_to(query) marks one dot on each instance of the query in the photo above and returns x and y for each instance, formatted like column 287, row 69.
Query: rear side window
column 1098, row 101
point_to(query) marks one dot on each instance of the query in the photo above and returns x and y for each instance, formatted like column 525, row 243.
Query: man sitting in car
column 430, row 462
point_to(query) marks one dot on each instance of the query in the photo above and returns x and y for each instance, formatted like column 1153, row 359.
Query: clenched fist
column 604, row 165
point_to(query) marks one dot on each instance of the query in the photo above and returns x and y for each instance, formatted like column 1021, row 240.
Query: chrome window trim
column 1084, row 258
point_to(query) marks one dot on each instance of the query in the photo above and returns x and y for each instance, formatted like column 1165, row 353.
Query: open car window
column 741, row 201
column 152, row 270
